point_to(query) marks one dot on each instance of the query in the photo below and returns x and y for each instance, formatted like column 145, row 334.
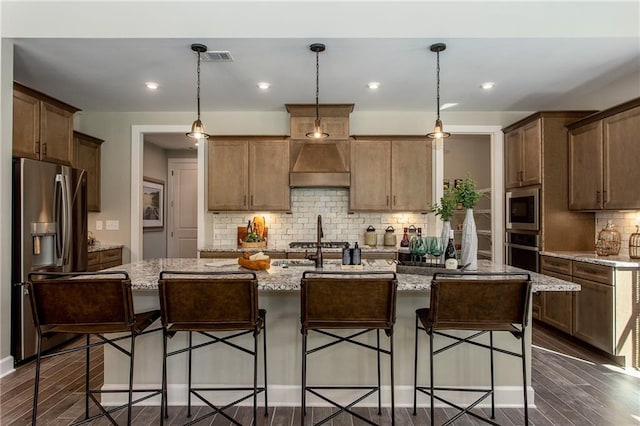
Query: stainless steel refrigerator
column 49, row 233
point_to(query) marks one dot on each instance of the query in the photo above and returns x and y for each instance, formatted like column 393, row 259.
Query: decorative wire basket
column 608, row 241
column 634, row 244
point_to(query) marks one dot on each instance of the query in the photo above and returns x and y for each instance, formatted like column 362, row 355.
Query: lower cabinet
column 603, row 313
column 103, row 259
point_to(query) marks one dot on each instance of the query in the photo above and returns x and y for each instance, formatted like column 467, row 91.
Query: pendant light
column 317, row 132
column 197, row 128
column 438, row 132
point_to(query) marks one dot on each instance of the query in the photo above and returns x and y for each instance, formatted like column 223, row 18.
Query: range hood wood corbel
column 322, row 163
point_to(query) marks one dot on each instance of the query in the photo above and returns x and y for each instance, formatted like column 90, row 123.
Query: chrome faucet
column 317, row 258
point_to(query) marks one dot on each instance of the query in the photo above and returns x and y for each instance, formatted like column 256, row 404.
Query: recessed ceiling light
column 448, row 105
column 373, row 85
column 264, row 85
column 151, row 85
column 487, row 85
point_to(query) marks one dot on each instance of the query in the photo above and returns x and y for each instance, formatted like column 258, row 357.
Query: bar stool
column 88, row 304
column 482, row 305
column 347, row 300
column 208, row 303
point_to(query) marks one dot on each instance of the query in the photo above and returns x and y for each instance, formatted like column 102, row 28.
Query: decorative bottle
column 405, row 238
column 450, row 255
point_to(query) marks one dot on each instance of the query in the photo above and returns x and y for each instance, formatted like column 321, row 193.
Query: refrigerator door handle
column 65, row 219
column 58, row 214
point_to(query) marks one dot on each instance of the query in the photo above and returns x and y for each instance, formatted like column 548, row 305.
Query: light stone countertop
column 144, row 274
column 591, row 257
column 376, row 249
column 103, row 247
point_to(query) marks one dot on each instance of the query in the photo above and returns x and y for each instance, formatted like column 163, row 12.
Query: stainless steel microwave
column 523, row 209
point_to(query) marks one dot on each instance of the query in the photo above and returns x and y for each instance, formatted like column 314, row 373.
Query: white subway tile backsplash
column 625, row 223
column 300, row 224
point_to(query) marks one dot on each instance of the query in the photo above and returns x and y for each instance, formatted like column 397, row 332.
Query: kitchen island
column 279, row 295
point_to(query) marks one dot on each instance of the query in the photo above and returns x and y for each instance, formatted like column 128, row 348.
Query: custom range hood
column 324, row 162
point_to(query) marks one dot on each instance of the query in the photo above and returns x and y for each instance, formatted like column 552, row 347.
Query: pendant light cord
column 198, row 87
column 317, row 84
column 438, row 82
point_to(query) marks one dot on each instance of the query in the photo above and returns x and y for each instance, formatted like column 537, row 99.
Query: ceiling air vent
column 217, row 56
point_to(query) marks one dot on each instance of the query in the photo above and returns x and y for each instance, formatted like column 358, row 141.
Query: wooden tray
column 242, row 234
column 245, row 244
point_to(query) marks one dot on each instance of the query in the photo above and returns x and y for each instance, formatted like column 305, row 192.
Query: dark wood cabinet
column 248, row 174
column 42, row 127
column 390, row 174
column 87, row 157
column 103, row 259
column 523, row 155
column 604, row 153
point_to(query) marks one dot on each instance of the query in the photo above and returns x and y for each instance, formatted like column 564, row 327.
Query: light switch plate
column 113, row 225
column 98, row 225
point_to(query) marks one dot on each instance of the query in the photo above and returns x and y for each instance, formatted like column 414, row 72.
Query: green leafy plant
column 447, row 205
column 466, row 193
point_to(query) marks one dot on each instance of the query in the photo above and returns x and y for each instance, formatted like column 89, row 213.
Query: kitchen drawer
column 555, row 264
column 589, row 271
column 110, row 256
column 379, row 255
column 93, row 259
column 110, row 264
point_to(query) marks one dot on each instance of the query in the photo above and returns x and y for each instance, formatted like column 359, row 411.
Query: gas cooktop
column 324, row 244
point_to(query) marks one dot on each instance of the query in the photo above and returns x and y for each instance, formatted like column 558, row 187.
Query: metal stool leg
column 524, row 382
column 303, row 409
column 86, row 379
column 393, row 402
column 431, row 377
column 164, row 410
column 255, row 375
column 264, row 340
column 493, row 395
column 379, row 388
column 34, row 412
column 133, row 349
column 415, row 370
column 189, row 374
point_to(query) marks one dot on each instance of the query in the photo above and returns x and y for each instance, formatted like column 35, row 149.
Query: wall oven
column 522, row 250
column 523, row 209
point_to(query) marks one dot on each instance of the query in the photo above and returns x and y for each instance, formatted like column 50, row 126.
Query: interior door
column 183, row 208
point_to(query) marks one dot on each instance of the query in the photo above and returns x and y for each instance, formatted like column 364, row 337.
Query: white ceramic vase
column 446, row 227
column 469, row 255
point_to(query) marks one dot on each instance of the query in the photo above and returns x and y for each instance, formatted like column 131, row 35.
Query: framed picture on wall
column 152, row 204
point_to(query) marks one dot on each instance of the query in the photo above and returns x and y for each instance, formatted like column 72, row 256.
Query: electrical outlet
column 98, row 225
column 113, row 225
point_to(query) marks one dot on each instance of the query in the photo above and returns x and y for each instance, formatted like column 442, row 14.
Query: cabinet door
column 269, row 175
column 557, row 306
column 26, row 126
column 531, row 171
column 56, row 134
column 593, row 314
column 512, row 158
column 87, row 157
column 585, row 167
column 621, row 160
column 411, row 175
column 370, row 175
column 228, row 173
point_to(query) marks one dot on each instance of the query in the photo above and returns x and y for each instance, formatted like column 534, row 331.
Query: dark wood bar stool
column 89, row 304
column 210, row 303
column 341, row 300
column 480, row 303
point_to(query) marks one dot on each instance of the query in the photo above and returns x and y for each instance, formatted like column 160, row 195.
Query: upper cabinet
column 248, row 174
column 523, row 154
column 390, row 174
column 87, row 157
column 604, row 153
column 42, row 127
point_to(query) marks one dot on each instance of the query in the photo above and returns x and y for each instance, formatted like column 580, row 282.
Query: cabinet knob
column 252, row 200
column 395, row 201
column 387, row 200
column 44, row 149
column 244, row 200
column 597, row 196
column 605, row 199
column 38, row 147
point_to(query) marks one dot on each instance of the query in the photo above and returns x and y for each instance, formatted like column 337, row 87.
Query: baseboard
column 6, row 366
column 289, row 396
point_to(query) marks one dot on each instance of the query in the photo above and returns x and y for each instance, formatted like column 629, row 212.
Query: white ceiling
column 541, row 55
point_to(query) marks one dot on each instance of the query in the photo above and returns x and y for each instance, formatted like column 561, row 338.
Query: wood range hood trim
column 320, row 163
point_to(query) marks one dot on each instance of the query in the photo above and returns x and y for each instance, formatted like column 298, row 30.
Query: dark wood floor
column 573, row 387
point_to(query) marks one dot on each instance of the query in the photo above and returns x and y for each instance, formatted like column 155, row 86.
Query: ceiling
column 535, row 64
